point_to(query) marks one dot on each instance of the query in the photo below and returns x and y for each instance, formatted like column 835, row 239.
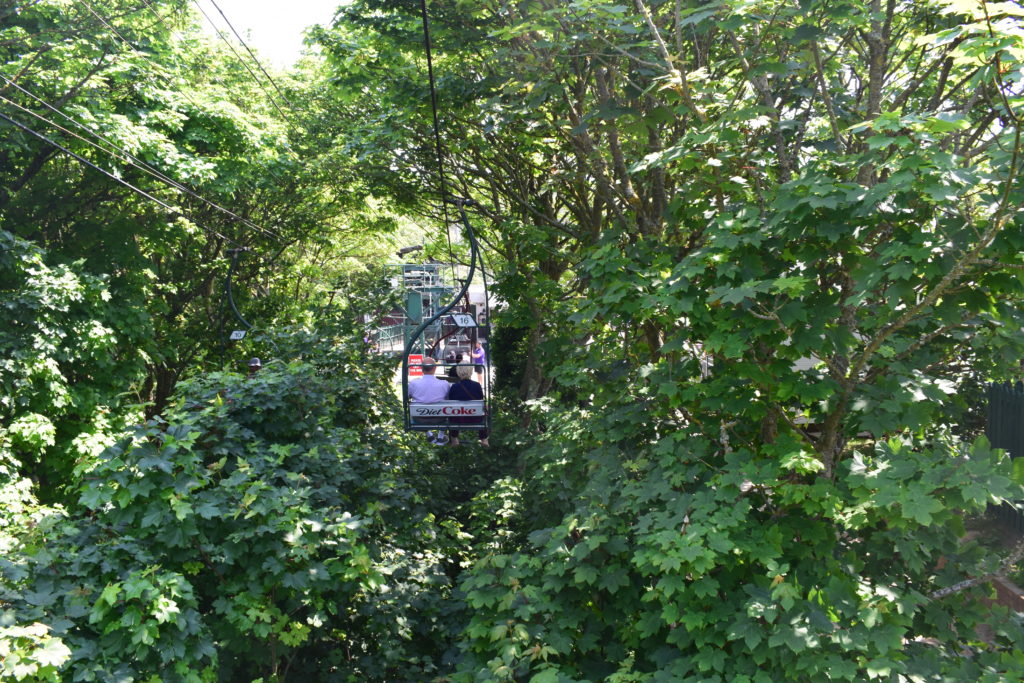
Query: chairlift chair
column 460, row 321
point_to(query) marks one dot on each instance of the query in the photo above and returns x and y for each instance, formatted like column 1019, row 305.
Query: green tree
column 145, row 77
column 818, row 200
column 70, row 360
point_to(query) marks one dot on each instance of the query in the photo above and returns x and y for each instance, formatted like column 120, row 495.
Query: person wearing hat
column 429, row 389
column 254, row 366
column 452, row 371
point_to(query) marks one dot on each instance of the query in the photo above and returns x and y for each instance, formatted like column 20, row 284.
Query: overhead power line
column 255, row 78
column 108, row 25
column 251, row 53
column 113, row 177
column 128, row 156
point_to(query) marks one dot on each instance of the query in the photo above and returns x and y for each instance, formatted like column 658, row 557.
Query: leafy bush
column 264, row 528
column 28, row 650
column 666, row 570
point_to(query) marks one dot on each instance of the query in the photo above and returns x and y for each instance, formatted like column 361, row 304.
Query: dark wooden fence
column 1006, row 430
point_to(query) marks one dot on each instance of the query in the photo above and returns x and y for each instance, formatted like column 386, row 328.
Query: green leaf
column 792, row 285
column 1018, row 471
column 110, row 594
column 53, row 653
column 807, row 32
column 545, row 676
column 920, row 508
column 585, row 574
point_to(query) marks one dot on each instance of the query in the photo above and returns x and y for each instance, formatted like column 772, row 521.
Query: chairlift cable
column 130, row 158
column 148, row 168
column 227, row 288
column 113, row 177
column 229, row 292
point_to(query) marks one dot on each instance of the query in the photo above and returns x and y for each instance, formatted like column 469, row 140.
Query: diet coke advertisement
column 448, row 409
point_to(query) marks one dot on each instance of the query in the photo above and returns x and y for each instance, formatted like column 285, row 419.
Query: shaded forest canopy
column 757, row 261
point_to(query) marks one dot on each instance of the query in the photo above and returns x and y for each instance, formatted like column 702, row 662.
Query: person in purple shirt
column 480, row 358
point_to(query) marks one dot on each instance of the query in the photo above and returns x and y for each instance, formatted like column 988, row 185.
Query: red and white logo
column 448, row 409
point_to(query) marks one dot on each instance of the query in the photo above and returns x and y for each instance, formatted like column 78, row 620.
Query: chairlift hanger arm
column 227, row 287
column 474, row 247
column 231, row 299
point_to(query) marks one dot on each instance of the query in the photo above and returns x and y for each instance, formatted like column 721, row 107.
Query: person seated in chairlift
column 466, row 390
column 429, row 389
column 451, row 371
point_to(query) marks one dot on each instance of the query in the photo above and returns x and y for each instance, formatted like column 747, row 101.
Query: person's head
column 479, row 345
column 428, row 366
column 464, row 371
column 458, row 358
column 254, row 365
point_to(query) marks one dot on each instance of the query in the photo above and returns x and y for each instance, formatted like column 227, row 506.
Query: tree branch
column 1011, row 559
column 999, row 221
column 833, row 121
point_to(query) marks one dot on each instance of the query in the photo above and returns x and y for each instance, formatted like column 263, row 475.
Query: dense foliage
column 756, row 260
column 267, row 526
column 818, row 201
column 68, row 356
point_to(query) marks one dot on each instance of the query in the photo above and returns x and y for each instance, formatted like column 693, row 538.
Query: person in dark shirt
column 452, row 369
column 466, row 389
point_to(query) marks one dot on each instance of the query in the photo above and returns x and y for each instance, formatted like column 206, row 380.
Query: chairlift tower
column 424, row 289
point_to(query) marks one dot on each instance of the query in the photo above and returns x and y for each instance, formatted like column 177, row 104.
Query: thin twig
column 833, row 121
